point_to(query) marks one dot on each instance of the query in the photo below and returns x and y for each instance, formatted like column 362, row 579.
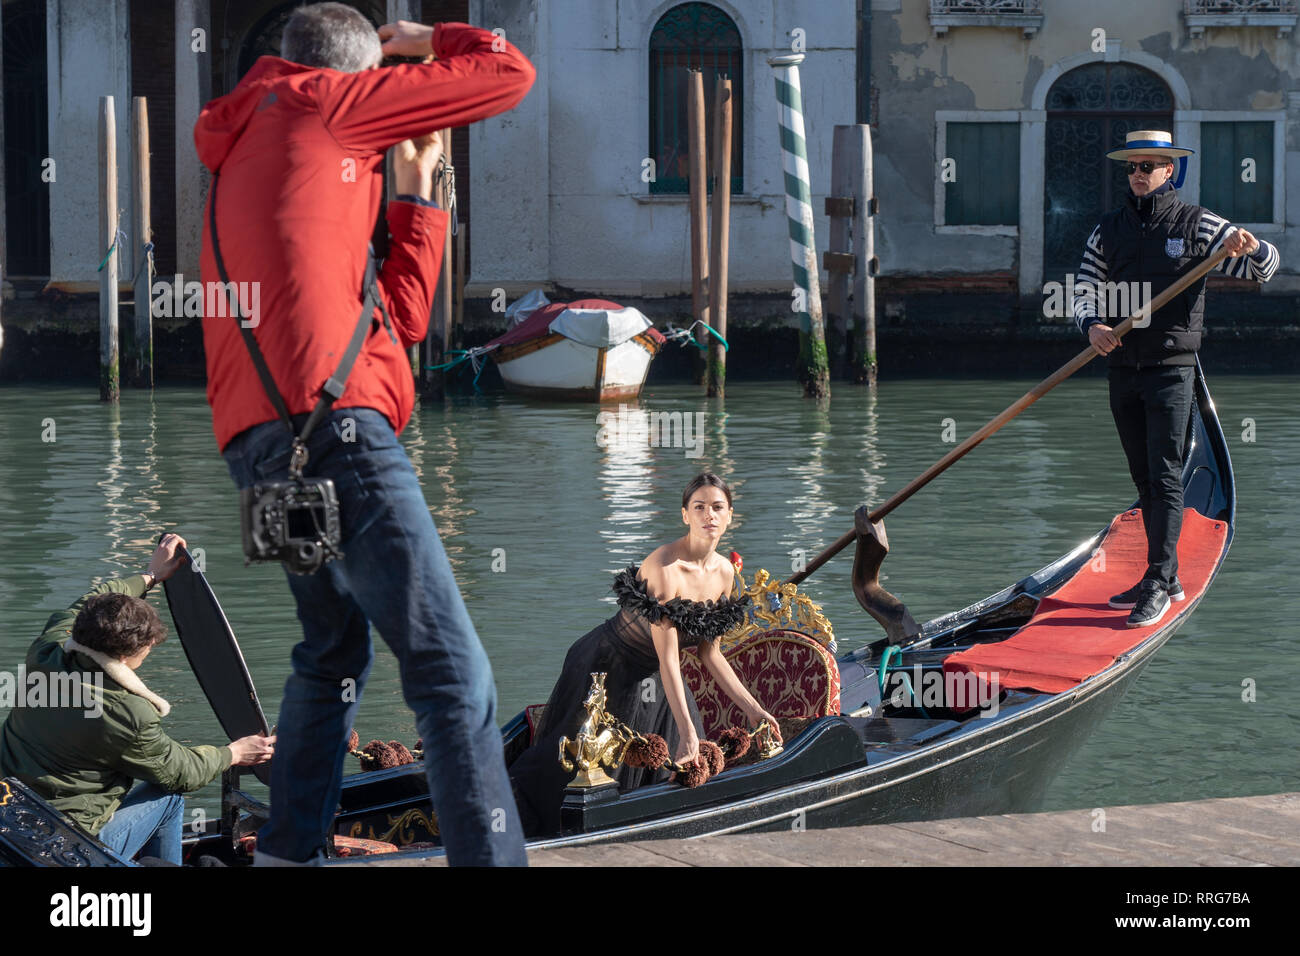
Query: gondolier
column 1155, row 237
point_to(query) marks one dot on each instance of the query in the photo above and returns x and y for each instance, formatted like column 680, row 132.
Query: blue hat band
column 1136, row 143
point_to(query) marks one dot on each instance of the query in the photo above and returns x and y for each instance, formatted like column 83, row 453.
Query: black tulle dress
column 623, row 649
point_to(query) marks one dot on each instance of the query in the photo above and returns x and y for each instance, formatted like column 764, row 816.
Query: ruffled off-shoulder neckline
column 702, row 620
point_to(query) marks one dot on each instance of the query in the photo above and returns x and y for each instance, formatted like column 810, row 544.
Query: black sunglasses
column 1146, row 166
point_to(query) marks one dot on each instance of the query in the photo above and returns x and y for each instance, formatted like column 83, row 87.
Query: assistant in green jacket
column 81, row 755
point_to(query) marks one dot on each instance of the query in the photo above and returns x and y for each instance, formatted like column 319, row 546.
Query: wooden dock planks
column 1234, row 831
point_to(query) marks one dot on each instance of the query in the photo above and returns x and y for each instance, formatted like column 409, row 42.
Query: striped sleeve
column 1259, row 265
column 1092, row 273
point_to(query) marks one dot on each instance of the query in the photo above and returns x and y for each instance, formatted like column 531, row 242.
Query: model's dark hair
column 331, row 35
column 702, row 479
column 118, row 625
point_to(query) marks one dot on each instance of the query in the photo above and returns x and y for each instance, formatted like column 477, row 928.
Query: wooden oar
column 1033, row 395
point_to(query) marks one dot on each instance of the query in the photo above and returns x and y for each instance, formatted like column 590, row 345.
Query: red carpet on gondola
column 1074, row 633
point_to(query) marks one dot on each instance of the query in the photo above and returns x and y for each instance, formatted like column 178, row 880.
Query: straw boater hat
column 1149, row 142
column 1154, row 142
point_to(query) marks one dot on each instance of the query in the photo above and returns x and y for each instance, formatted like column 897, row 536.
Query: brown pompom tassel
column 696, row 773
column 713, row 756
column 354, row 740
column 735, row 743
column 649, row 752
column 403, row 755
column 379, row 756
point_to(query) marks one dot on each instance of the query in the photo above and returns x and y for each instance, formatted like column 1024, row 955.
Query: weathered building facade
column 990, row 122
column 1024, row 105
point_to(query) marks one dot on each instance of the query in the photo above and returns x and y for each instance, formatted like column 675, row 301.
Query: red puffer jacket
column 299, row 155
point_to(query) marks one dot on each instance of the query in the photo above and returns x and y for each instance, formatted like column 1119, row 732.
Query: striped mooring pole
column 813, row 368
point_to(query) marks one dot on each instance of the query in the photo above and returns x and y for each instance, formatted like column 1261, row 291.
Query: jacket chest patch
column 1174, row 248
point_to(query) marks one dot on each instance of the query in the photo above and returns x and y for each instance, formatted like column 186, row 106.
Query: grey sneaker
column 1126, row 599
column 1152, row 603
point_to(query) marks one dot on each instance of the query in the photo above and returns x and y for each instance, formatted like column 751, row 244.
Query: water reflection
column 529, row 477
column 450, row 511
column 872, row 453
column 413, row 439
column 628, row 486
column 811, row 510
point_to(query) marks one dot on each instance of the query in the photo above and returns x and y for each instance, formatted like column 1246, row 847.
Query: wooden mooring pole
column 851, row 208
column 838, row 258
column 447, row 200
column 699, row 193
column 863, row 366
column 719, row 236
column 109, row 383
column 438, row 337
column 142, row 230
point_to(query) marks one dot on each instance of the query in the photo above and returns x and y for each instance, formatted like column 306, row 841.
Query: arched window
column 692, row 36
column 1089, row 109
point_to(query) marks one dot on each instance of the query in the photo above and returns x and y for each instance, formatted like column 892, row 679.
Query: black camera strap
column 333, row 387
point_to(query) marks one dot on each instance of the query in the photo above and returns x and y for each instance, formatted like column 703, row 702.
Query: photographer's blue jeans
column 148, row 821
column 394, row 574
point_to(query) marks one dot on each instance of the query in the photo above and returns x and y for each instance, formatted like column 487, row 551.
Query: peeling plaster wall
column 996, row 68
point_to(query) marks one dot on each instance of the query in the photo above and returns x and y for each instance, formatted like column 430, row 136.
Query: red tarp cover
column 535, row 325
column 1074, row 633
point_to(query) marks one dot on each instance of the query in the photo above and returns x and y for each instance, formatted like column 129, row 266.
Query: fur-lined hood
column 120, row 673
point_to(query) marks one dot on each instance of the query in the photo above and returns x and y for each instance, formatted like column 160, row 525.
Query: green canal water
column 538, row 508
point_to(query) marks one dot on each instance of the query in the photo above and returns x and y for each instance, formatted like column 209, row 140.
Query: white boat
column 591, row 350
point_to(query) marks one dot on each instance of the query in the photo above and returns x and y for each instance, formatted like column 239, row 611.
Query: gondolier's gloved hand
column 251, row 750
column 1103, row 338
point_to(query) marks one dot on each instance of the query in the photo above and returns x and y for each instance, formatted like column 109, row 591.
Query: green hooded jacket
column 80, row 755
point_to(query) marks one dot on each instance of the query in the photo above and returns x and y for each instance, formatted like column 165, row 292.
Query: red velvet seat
column 790, row 674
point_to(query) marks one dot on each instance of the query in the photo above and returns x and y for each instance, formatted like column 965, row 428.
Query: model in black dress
column 625, row 649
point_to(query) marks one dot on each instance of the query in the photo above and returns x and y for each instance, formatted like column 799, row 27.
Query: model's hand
column 405, row 38
column 414, row 163
column 763, row 715
column 1103, row 338
column 166, row 557
column 251, row 750
column 1240, row 243
column 688, row 748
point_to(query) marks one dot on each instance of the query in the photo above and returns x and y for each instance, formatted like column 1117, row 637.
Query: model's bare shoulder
column 657, row 574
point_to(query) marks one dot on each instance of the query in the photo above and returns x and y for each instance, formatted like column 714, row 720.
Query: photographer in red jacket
column 297, row 152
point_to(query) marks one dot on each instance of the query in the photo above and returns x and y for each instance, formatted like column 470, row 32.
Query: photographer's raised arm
column 410, row 273
column 409, row 277
column 477, row 75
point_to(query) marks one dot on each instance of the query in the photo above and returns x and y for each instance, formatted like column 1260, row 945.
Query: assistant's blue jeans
column 394, row 574
column 148, row 821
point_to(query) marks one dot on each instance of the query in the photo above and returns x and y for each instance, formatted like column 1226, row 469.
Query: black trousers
column 1151, row 407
